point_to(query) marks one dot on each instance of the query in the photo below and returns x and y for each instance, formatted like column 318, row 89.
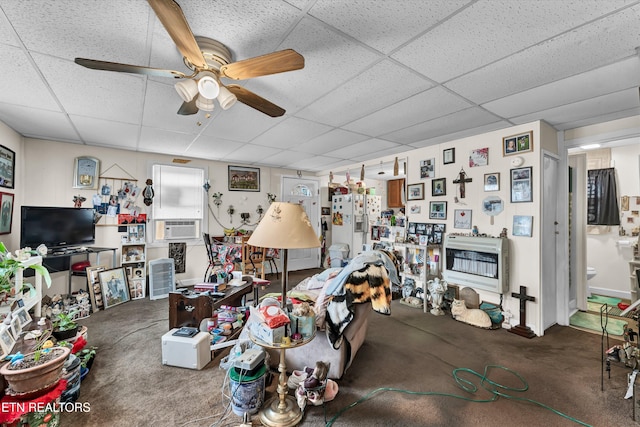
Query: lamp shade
column 187, row 89
column 204, row 104
column 208, row 87
column 285, row 226
column 226, row 98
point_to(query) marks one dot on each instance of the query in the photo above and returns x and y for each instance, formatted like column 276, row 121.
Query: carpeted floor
column 402, row 376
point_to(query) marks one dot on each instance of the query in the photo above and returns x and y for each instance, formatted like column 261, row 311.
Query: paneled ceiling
column 380, row 77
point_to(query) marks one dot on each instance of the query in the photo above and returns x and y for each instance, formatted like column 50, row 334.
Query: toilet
column 591, row 272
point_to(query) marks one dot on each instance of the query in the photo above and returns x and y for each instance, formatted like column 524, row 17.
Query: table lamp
column 285, row 226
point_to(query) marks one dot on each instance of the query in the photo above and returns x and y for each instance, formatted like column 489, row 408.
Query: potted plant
column 64, row 326
column 9, row 265
column 86, row 356
column 35, row 371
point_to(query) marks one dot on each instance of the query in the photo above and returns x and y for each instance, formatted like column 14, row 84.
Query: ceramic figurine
column 475, row 231
column 437, row 288
column 503, row 233
column 472, row 316
column 148, row 193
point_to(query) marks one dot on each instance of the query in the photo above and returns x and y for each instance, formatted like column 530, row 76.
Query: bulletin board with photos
column 421, row 233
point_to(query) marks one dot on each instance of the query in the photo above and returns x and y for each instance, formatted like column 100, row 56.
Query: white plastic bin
column 338, row 252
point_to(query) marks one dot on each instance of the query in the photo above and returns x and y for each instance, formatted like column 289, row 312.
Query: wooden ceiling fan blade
column 271, row 63
column 188, row 108
column 126, row 68
column 174, row 21
column 255, row 101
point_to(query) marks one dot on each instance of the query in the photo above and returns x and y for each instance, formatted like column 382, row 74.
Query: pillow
column 320, row 307
column 324, row 276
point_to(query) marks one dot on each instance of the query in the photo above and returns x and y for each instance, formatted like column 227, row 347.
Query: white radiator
column 161, row 278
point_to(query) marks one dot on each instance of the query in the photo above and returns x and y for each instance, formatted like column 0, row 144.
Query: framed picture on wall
column 243, row 178
column 415, row 191
column 449, row 156
column 516, row 144
column 6, row 212
column 439, row 187
column 491, row 181
column 437, row 210
column 521, row 188
column 7, row 167
column 86, row 173
column 522, row 225
column 462, row 218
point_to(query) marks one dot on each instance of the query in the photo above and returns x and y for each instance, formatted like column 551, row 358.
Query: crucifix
column 462, row 178
column 522, row 329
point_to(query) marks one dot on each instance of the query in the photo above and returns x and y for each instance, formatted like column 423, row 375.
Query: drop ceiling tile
column 367, row 146
column 609, row 103
column 314, row 164
column 384, row 25
column 377, row 154
column 423, row 106
column 164, row 141
column 240, row 123
column 471, row 117
column 7, row 34
column 592, row 120
column 592, row 46
column 250, row 153
column 330, row 60
column 289, row 132
column 29, row 89
column 107, row 95
column 36, row 123
column 284, row 159
column 366, row 93
column 209, row 147
column 462, row 134
column 330, row 141
column 106, row 133
column 488, row 31
column 607, row 79
column 113, row 31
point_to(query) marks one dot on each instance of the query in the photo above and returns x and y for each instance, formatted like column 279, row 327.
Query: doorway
column 306, row 192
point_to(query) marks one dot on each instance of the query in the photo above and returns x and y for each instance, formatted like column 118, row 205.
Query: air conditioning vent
column 186, row 229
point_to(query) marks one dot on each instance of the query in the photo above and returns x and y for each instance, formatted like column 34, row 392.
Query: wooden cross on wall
column 462, row 178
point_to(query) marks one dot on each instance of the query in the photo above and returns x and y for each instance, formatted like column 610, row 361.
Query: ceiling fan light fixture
column 187, row 89
column 226, row 98
column 208, row 87
column 204, row 103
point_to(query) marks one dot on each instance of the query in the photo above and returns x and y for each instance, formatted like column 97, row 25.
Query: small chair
column 253, row 258
column 271, row 256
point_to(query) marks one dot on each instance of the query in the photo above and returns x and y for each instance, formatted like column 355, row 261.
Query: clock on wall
column 86, row 171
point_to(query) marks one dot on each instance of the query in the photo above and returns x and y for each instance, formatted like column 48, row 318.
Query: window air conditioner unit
column 185, row 229
column 161, row 278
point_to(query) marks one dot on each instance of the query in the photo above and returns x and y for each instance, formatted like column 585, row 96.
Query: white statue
column 437, row 288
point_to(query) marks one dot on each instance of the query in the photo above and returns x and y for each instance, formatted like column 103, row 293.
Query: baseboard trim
column 610, row 293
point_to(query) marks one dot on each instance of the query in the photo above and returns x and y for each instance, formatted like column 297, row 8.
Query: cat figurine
column 473, row 316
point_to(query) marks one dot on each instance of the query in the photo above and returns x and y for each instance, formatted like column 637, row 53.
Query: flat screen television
column 56, row 227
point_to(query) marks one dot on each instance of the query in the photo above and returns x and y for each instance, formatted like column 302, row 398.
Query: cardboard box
column 265, row 333
column 184, row 352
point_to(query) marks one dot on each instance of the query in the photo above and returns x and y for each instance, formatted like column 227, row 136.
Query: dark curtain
column 602, row 197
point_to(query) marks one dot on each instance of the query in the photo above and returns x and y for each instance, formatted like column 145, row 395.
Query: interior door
column 305, row 192
column 549, row 224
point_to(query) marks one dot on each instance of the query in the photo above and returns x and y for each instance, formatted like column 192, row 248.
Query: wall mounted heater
column 161, row 278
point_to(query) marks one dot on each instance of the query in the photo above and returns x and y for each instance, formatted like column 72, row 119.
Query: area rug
column 604, row 300
column 592, row 322
column 595, row 307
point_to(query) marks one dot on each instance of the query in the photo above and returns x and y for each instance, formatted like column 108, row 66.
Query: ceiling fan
column 209, row 60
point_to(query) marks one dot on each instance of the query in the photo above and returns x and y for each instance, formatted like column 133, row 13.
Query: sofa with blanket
column 342, row 300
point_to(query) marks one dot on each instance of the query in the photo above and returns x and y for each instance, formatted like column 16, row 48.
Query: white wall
column 13, row 141
column 603, row 251
column 525, row 264
column 46, row 180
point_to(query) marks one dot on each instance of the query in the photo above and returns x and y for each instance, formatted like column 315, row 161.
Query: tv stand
column 60, row 258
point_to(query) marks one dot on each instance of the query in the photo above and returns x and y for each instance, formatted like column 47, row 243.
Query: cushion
column 80, row 266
